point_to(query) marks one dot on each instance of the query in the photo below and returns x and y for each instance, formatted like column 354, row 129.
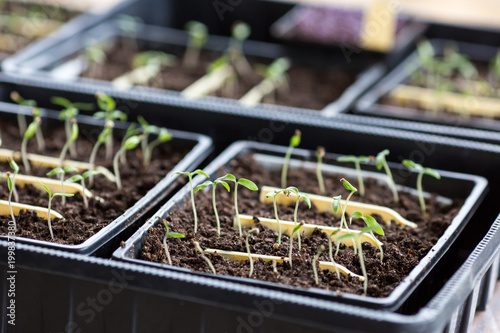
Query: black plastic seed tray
column 370, row 105
column 80, row 23
column 471, row 188
column 64, row 63
column 90, row 294
column 106, row 240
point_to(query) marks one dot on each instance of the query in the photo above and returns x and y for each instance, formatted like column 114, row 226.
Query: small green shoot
column 254, row 231
column 147, row 147
column 21, row 119
column 275, row 77
column 15, row 168
column 357, row 239
column 39, row 135
column 245, row 183
column 357, row 160
column 70, row 140
column 131, row 131
column 198, row 247
column 304, row 198
column 68, row 113
column 370, row 222
column 294, row 142
column 320, row 153
column 62, row 172
column 380, row 161
column 30, row 132
column 274, row 195
column 421, row 172
column 11, row 185
column 221, row 181
column 315, row 260
column 81, row 178
column 102, row 138
column 170, row 234
column 239, row 33
column 352, row 190
column 52, row 196
column 198, row 36
column 107, row 105
column 129, row 144
column 130, row 26
column 296, row 229
column 190, row 177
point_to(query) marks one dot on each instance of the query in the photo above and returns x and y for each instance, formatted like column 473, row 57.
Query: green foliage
column 381, row 162
column 294, row 142
column 421, row 172
column 198, row 33
column 190, row 177
column 168, row 233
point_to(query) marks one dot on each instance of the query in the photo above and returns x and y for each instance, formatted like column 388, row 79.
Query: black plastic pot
column 106, row 240
column 369, row 103
column 60, row 64
column 471, row 188
column 80, row 23
column 92, row 294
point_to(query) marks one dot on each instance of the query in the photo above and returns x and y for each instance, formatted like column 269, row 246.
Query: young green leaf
column 176, row 235
column 74, row 179
column 132, row 142
column 371, row 222
column 55, row 171
column 248, row 184
column 228, row 177
column 91, row 173
column 348, row 185
column 241, row 31
column 14, row 166
column 32, row 128
column 202, row 186
column 336, row 203
column 45, row 187
column 200, row 172
column 432, row 173
column 295, row 139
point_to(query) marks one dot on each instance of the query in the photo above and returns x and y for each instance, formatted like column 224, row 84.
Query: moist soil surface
column 403, row 247
column 308, row 87
column 80, row 222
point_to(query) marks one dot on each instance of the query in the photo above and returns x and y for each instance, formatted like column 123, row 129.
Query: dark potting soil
column 403, row 247
column 308, row 88
column 80, row 222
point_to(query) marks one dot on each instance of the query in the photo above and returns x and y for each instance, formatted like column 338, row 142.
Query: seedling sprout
column 305, row 198
column 15, row 168
column 320, row 153
column 239, row 33
column 130, row 26
column 255, row 231
column 81, row 178
column 357, row 239
column 21, row 119
column 62, row 172
column 190, row 177
column 370, row 221
column 294, row 142
column 275, row 76
column 421, row 172
column 315, row 260
column 214, row 184
column 356, row 160
column 68, row 113
column 30, row 132
column 131, row 131
column 102, row 138
column 198, row 35
column 170, row 234
column 380, row 161
column 107, row 105
column 52, row 196
column 39, row 135
column 296, row 229
column 273, row 195
column 129, row 144
column 69, row 141
column 246, row 183
column 147, row 147
column 10, row 185
column 198, row 247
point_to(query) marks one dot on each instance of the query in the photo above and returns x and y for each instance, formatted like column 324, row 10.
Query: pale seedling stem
column 316, row 257
column 294, row 142
column 198, row 247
